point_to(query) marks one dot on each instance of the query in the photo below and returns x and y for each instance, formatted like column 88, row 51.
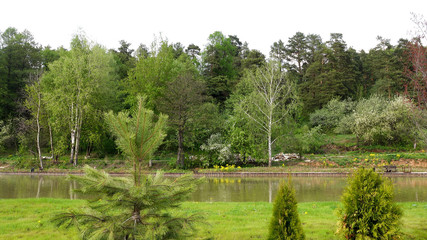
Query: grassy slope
column 29, row 219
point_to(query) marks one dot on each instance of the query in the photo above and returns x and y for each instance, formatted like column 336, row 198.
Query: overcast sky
column 260, row 23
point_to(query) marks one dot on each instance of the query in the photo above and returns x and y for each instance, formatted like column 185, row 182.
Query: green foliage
column 384, row 68
column 137, row 136
column 6, row 136
column 206, row 121
column 253, row 59
column 152, row 74
column 78, row 87
column 138, row 207
column 242, row 143
column 19, row 56
column 385, row 122
column 219, row 56
column 124, row 209
column 272, row 99
column 219, row 152
column 333, row 74
column 285, row 222
column 331, row 114
column 219, row 62
column 308, row 140
column 368, row 210
column 181, row 100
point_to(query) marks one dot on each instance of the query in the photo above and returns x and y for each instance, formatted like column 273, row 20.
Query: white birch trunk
column 73, row 134
column 78, row 131
column 38, row 130
column 51, row 142
column 73, row 139
column 269, row 146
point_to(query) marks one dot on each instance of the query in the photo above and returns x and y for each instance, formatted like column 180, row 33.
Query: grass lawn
column 29, row 219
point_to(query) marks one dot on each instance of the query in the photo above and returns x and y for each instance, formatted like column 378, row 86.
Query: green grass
column 19, row 219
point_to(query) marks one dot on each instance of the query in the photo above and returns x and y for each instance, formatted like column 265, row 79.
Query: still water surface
column 248, row 189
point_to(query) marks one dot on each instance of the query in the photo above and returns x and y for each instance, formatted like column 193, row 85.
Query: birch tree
column 272, row 98
column 34, row 103
column 75, row 85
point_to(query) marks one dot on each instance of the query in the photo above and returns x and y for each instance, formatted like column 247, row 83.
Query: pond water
column 248, row 189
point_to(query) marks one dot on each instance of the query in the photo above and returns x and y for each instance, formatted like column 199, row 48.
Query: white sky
column 260, row 23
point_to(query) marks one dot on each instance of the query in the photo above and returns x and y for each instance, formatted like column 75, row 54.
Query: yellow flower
column 398, row 155
column 38, row 221
column 423, row 150
column 372, row 155
column 306, row 213
column 238, row 167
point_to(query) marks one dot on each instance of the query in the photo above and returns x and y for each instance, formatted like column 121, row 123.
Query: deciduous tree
column 180, row 101
column 272, row 97
column 78, row 85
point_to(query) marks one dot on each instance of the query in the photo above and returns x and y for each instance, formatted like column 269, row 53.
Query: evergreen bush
column 285, row 223
column 368, row 210
column 137, row 207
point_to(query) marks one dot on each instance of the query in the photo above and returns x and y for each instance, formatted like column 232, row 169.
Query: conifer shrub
column 285, row 222
column 136, row 207
column 368, row 210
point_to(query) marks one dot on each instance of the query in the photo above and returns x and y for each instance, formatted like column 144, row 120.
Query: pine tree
column 368, row 209
column 285, row 223
column 135, row 207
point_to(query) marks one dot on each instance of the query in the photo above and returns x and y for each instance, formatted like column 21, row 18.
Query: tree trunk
column 73, row 140
column 269, row 149
column 51, row 142
column 180, row 158
column 73, row 134
column 270, row 123
column 76, row 151
column 38, row 132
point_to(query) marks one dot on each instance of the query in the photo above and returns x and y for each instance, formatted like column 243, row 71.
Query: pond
column 248, row 189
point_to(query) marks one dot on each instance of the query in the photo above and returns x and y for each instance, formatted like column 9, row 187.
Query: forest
column 225, row 102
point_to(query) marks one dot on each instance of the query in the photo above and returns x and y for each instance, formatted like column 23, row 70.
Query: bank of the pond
column 29, row 219
column 228, row 174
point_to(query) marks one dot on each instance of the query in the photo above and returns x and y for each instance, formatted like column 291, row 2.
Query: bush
column 285, row 223
column 219, row 153
column 305, row 140
column 330, row 115
column 119, row 208
column 384, row 122
column 368, row 210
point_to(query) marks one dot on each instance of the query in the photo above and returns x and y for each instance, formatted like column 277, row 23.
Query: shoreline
column 233, row 174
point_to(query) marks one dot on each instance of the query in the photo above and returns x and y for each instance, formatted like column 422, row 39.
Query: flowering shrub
column 384, row 122
column 218, row 151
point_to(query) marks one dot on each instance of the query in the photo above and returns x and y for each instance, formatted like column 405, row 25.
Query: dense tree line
column 53, row 100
